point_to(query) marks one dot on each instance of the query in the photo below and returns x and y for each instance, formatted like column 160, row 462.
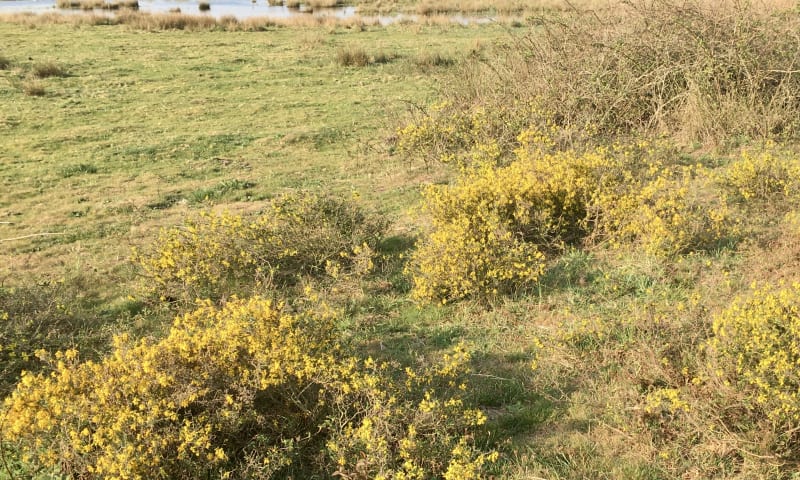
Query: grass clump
column 204, row 6
column 33, row 88
column 79, row 169
column 98, row 4
column 5, row 62
column 222, row 254
column 48, row 69
column 243, row 391
column 359, row 57
column 430, row 60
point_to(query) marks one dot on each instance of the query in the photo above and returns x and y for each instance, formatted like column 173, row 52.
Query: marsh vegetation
column 564, row 247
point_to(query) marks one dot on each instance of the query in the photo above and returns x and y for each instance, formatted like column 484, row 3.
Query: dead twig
column 43, row 234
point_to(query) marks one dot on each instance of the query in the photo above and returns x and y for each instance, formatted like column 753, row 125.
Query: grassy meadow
column 561, row 248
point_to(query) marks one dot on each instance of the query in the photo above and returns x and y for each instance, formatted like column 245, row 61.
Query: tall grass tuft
column 5, row 62
column 358, row 57
column 33, row 88
column 48, row 69
column 430, row 60
column 352, row 57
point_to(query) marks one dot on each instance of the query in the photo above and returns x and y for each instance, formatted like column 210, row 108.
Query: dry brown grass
column 97, row 4
column 48, row 69
column 323, row 3
column 33, row 88
column 177, row 21
column 701, row 73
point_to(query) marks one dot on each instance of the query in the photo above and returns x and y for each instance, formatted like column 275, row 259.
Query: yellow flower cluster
column 667, row 210
column 223, row 254
column 410, row 430
column 756, row 345
column 493, row 226
column 761, row 175
column 665, row 401
column 448, row 134
column 172, row 407
column 242, row 391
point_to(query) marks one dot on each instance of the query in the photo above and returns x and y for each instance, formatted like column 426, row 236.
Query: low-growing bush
column 217, row 255
column 667, row 211
column 244, row 391
column 444, row 133
column 492, row 228
column 45, row 315
column 763, row 175
column 755, row 347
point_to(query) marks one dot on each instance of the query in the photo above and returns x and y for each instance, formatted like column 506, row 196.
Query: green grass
column 144, row 116
column 149, row 128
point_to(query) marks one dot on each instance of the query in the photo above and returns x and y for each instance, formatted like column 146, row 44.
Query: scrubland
column 560, row 248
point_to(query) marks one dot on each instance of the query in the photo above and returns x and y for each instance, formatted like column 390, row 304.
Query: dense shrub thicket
column 699, row 71
column 243, row 391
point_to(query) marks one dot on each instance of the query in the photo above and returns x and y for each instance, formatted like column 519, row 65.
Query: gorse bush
column 755, row 346
column 667, row 211
column 219, row 255
column 700, row 71
column 45, row 315
column 493, row 227
column 763, row 175
column 444, row 133
column 243, row 391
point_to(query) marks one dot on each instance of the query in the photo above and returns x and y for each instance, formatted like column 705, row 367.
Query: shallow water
column 240, row 9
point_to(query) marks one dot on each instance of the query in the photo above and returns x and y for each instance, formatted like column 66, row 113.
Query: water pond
column 240, row 9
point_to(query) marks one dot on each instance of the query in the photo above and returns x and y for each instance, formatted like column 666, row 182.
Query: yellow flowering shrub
column 448, row 133
column 222, row 254
column 407, row 430
column 242, row 391
column 756, row 345
column 45, row 315
column 762, row 175
column 667, row 210
column 494, row 224
column 665, row 402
